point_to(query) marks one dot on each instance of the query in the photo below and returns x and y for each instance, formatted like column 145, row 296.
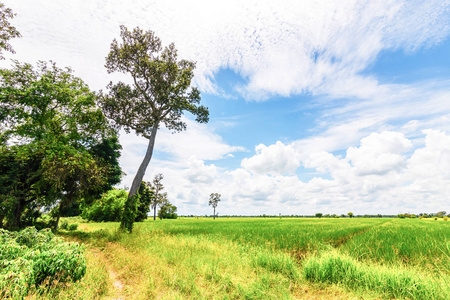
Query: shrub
column 108, row 208
column 445, row 218
column 31, row 258
column 64, row 225
column 73, row 227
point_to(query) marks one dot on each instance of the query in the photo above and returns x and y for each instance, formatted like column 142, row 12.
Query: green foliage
column 167, row 211
column 64, row 225
column 319, row 215
column 146, row 197
column 52, row 126
column 109, row 208
column 31, row 258
column 162, row 85
column 73, row 227
column 129, row 213
column 7, row 31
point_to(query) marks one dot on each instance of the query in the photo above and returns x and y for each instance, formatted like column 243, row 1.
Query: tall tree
column 214, row 199
column 53, row 119
column 7, row 31
column 160, row 93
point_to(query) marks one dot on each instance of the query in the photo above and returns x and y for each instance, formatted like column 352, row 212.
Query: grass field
column 264, row 258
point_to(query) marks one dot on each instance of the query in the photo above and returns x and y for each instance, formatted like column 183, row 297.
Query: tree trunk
column 214, row 216
column 154, row 212
column 141, row 171
column 139, row 176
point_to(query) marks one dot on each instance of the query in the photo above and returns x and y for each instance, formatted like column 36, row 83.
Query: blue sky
column 315, row 106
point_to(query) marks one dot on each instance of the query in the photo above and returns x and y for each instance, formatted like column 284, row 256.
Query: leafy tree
column 350, row 214
column 160, row 93
column 146, row 196
column 214, row 199
column 167, row 210
column 7, row 31
column 159, row 197
column 51, row 118
column 319, row 215
column 441, row 214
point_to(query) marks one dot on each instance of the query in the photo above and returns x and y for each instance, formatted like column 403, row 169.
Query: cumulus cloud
column 198, row 172
column 277, row 158
column 383, row 175
column 379, row 153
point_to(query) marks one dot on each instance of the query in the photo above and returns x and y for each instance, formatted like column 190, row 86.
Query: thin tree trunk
column 154, row 212
column 141, row 171
column 214, row 216
column 126, row 222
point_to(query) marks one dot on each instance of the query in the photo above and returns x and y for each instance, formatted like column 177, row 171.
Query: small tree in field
column 161, row 92
column 350, row 214
column 159, row 198
column 319, row 215
column 214, row 199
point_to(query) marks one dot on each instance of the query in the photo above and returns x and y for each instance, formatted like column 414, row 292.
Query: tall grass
column 390, row 282
column 411, row 242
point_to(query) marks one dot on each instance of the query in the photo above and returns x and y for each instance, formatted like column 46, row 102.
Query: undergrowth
column 32, row 259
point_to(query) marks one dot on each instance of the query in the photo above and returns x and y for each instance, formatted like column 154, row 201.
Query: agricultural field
column 263, row 258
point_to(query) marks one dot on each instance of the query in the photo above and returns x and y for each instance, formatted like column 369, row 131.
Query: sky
column 315, row 106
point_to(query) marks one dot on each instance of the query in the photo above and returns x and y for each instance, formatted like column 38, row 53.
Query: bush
column 73, row 227
column 108, row 208
column 31, row 258
column 64, row 225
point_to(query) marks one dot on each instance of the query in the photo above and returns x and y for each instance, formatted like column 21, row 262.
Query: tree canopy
column 51, row 123
column 214, row 199
column 160, row 93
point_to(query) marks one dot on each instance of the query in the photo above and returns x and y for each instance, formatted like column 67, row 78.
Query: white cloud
column 277, row 158
column 198, row 172
column 280, row 48
column 379, row 153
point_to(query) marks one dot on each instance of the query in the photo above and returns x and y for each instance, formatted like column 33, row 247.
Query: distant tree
column 160, row 93
column 167, row 210
column 319, row 215
column 350, row 214
column 159, row 197
column 214, row 199
column 7, row 31
column 441, row 214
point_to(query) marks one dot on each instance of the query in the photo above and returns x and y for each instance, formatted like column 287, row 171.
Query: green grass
column 261, row 258
column 409, row 242
column 389, row 282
